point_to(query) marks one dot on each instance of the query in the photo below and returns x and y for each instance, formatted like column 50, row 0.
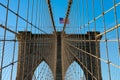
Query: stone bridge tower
column 34, row 48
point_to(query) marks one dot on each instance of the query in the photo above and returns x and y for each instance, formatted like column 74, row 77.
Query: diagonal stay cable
column 23, row 19
column 21, row 59
column 8, row 29
column 67, row 14
column 78, row 41
column 117, row 66
column 98, row 17
column 51, row 14
column 72, row 53
column 111, row 29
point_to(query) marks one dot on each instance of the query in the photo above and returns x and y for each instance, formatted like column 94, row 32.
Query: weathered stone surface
column 34, row 48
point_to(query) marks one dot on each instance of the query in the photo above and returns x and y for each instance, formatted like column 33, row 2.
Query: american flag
column 62, row 20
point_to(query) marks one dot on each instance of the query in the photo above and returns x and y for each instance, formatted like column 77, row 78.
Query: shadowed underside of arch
column 57, row 53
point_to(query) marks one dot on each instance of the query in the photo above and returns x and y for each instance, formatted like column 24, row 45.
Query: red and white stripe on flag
column 62, row 21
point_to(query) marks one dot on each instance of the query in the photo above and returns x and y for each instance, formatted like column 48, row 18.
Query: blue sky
column 59, row 8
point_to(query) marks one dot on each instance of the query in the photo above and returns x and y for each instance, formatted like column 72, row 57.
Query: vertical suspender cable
column 3, row 47
column 109, row 73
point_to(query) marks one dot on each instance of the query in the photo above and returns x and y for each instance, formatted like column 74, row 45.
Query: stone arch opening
column 74, row 72
column 43, row 72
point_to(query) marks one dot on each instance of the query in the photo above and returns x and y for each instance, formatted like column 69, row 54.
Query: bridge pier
column 59, row 58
